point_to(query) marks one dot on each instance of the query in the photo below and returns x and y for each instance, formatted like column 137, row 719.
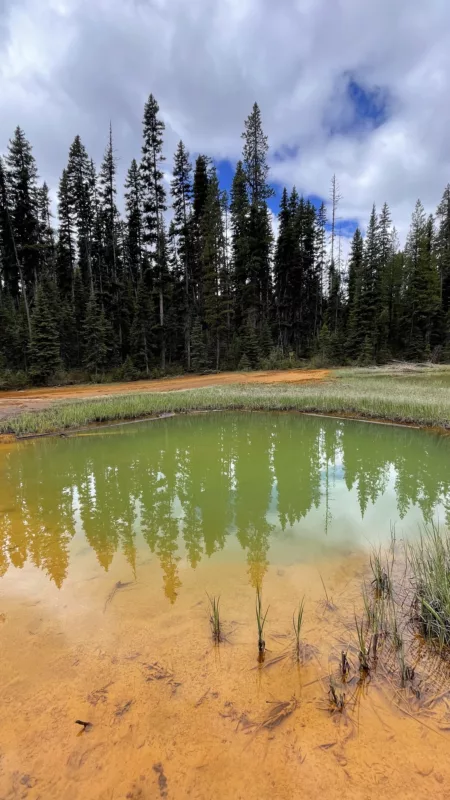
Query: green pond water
column 257, row 488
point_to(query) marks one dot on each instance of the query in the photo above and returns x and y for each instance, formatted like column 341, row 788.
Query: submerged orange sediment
column 156, row 691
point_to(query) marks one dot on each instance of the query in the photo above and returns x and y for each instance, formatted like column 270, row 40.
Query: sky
column 348, row 87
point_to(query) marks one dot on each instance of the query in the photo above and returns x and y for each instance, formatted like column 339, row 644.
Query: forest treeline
column 193, row 279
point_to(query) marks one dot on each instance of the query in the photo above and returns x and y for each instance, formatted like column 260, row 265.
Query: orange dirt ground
column 13, row 402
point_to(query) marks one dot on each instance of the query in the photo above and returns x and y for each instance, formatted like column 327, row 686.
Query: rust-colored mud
column 12, row 402
column 172, row 716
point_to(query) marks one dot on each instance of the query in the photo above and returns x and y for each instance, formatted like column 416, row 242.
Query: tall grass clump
column 214, row 619
column 430, row 564
column 260, row 622
column 363, row 649
column 381, row 571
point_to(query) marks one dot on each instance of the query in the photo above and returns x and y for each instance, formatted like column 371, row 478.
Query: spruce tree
column 10, row 346
column 355, row 272
column 153, row 192
column 68, row 334
column 46, row 233
column 198, row 347
column 65, row 248
column 370, row 289
column 255, row 164
column 95, row 338
column 141, row 334
column 109, row 212
column 199, row 198
column 384, row 296
column 22, row 194
column 213, row 260
column 154, row 206
column 250, row 344
column 200, row 188
column 81, row 187
column 80, row 298
column 133, row 209
column 443, row 249
column 265, row 343
column 181, row 188
column 422, row 292
column 45, row 354
column 9, row 266
column 240, row 244
column 321, row 264
column 284, row 253
column 256, row 170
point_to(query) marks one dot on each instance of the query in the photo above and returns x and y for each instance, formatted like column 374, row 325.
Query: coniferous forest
column 192, row 279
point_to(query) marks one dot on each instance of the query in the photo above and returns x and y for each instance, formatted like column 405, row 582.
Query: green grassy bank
column 420, row 398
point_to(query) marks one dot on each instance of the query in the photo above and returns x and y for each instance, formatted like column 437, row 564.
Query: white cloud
column 68, row 66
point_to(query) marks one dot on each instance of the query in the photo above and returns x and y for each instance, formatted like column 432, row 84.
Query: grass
column 297, row 620
column 214, row 619
column 363, row 649
column 260, row 621
column 430, row 564
column 344, row 665
column 336, row 698
column 381, row 575
column 417, row 398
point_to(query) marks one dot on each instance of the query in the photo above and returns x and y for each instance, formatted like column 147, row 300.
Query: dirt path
column 12, row 402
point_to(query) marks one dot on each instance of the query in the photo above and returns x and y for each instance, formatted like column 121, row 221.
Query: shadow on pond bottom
column 87, row 634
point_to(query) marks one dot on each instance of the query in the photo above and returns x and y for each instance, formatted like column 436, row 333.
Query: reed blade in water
column 336, row 698
column 345, row 665
column 297, row 621
column 260, row 621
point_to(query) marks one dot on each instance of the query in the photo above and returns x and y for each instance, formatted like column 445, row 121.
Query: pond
column 111, row 542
